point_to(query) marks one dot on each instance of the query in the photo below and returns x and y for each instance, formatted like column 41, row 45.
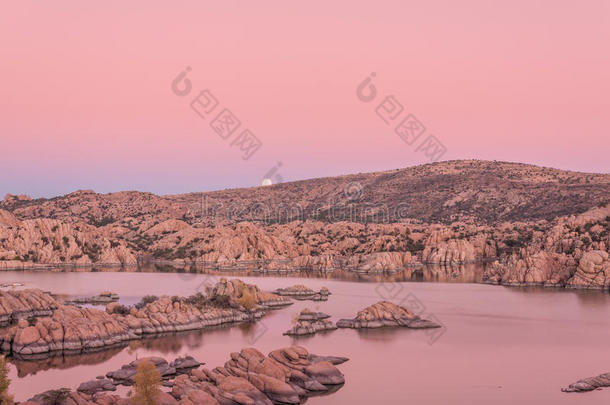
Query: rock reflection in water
column 464, row 273
column 31, row 366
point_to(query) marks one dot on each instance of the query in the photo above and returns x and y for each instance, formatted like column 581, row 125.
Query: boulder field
column 286, row 376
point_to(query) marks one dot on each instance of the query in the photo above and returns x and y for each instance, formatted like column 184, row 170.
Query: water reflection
column 32, row 366
column 531, row 341
column 464, row 273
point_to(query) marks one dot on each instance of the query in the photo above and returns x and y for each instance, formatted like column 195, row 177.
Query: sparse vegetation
column 5, row 397
column 147, row 385
column 247, row 299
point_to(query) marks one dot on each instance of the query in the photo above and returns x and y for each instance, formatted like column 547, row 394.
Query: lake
column 500, row 345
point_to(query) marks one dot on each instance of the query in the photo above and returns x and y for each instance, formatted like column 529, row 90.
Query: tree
column 147, row 384
column 5, row 397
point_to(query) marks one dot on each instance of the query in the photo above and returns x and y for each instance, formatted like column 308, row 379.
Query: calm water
column 499, row 345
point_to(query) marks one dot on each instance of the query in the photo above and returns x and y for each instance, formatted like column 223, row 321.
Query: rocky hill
column 479, row 192
column 533, row 225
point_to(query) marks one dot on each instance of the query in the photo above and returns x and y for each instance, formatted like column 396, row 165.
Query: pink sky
column 86, row 99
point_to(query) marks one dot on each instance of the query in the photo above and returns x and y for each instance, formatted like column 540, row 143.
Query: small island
column 384, row 314
column 310, row 322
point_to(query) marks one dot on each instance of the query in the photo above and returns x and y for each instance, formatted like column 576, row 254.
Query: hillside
column 478, row 192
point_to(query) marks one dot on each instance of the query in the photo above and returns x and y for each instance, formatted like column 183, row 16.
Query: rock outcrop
column 572, row 253
column 97, row 385
column 104, row 297
column 126, row 374
column 300, row 292
column 235, row 289
column 593, row 271
column 73, row 329
column 310, row 322
column 285, row 376
column 20, row 304
column 589, row 384
column 384, row 314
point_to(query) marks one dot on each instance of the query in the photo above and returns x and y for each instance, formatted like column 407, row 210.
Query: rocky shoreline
column 286, row 376
column 72, row 329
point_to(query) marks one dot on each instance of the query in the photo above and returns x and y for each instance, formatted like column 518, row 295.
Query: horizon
column 290, row 181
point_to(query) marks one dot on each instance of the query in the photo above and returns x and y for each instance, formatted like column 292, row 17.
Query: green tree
column 5, row 397
column 147, row 384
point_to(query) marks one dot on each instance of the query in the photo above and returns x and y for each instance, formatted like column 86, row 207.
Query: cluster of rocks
column 589, row 384
column 44, row 242
column 385, row 313
column 573, row 253
column 310, row 322
column 234, row 290
column 105, row 297
column 126, row 374
column 75, row 329
column 20, row 304
column 300, row 292
column 286, row 376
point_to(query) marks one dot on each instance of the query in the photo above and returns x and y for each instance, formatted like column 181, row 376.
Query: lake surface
column 499, row 345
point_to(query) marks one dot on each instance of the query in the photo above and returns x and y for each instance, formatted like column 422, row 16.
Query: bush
column 5, row 397
column 247, row 299
column 120, row 309
column 147, row 384
column 147, row 299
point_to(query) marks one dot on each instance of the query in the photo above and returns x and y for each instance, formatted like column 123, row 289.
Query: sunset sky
column 86, row 98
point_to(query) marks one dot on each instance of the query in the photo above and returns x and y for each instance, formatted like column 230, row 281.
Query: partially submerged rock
column 310, row 322
column 309, row 315
column 104, row 297
column 385, row 313
column 126, row 374
column 589, row 384
column 300, row 292
column 185, row 364
column 97, row 385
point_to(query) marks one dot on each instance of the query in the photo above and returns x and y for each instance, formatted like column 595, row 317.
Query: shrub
column 147, row 299
column 120, row 309
column 247, row 299
column 147, row 384
column 5, row 397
